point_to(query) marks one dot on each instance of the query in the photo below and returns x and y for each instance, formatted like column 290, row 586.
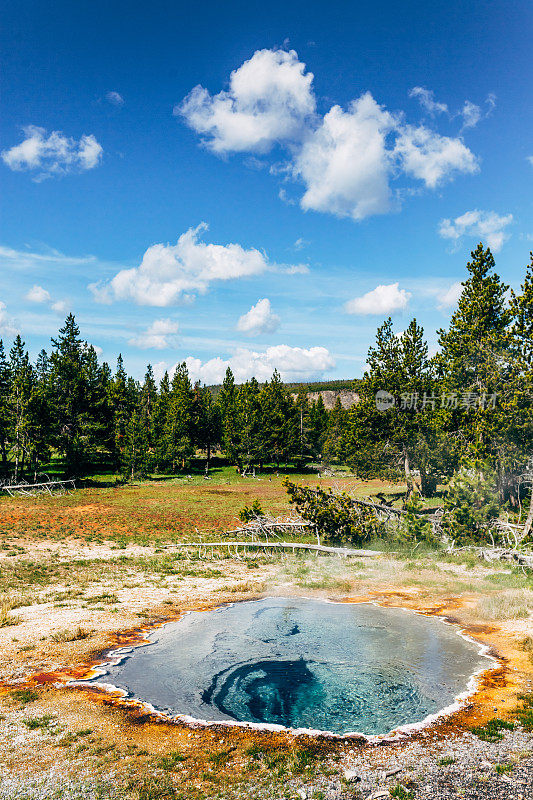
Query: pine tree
column 40, row 415
column 76, row 427
column 301, row 405
column 389, row 442
column 22, row 380
column 334, row 443
column 5, row 389
column 415, row 528
column 471, row 504
column 368, row 433
column 418, row 423
column 479, row 329
column 473, row 364
column 121, row 409
column 96, row 397
column 107, row 433
column 231, row 433
column 515, row 428
column 280, row 428
column 160, row 424
column 42, row 366
column 317, row 426
column 179, row 427
column 250, row 422
column 522, row 311
column 206, row 422
column 148, row 402
column 135, row 453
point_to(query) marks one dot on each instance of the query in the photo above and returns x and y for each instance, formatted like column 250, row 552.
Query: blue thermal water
column 302, row 664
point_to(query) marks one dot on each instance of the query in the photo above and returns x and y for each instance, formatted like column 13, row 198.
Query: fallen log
column 30, row 489
column 491, row 554
column 341, row 551
column 513, row 556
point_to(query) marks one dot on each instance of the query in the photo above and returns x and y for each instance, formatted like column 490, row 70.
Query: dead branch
column 341, row 551
column 35, row 489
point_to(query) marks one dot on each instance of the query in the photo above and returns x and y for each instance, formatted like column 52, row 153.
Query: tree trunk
column 208, row 455
column 500, row 482
column 428, row 484
column 407, row 469
column 529, row 520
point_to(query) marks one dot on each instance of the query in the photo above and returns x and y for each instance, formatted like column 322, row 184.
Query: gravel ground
column 54, row 787
column 472, row 774
column 407, row 770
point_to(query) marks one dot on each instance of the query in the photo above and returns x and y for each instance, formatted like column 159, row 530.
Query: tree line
column 464, row 412
column 70, row 406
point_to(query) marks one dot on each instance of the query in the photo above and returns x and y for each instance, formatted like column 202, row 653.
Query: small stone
column 380, row 793
column 302, row 793
column 390, row 772
column 351, row 776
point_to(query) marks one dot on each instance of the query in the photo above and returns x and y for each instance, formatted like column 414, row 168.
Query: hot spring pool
column 302, row 664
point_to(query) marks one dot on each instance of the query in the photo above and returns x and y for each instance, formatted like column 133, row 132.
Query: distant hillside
column 348, row 397
column 321, row 386
column 329, row 390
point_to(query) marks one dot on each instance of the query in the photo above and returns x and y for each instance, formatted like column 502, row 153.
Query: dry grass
column 512, row 604
column 158, row 510
column 7, row 604
column 71, row 636
column 527, row 646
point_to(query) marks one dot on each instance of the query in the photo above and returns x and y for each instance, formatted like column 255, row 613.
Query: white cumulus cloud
column 268, row 100
column 7, row 326
column 293, row 363
column 89, row 152
column 347, row 159
column 172, row 273
column 37, row 294
column 52, row 154
column 384, row 299
column 485, row 225
column 345, row 164
column 159, row 335
column 59, row 306
column 259, row 319
column 450, row 297
column 433, row 158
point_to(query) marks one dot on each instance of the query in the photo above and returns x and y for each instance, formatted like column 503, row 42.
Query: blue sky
column 336, row 163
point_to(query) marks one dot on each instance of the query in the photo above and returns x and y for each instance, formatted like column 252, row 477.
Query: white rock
column 351, row 775
column 390, row 772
